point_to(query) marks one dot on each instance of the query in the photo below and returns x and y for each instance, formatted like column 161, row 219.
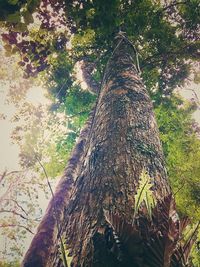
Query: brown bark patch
column 120, row 91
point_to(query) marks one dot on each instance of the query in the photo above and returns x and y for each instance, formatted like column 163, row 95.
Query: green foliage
column 10, row 264
column 182, row 151
column 83, row 39
column 144, row 194
column 165, row 37
column 13, row 11
column 56, row 158
column 59, row 79
column 191, row 14
column 78, row 104
column 78, row 101
column 65, row 254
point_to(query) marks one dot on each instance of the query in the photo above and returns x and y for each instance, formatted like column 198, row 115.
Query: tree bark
column 124, row 140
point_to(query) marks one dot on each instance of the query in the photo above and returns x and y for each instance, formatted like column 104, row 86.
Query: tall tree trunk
column 122, row 142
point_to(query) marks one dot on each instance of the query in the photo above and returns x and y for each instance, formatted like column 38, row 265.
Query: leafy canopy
column 166, row 36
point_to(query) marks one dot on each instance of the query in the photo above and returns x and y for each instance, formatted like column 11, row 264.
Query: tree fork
column 44, row 246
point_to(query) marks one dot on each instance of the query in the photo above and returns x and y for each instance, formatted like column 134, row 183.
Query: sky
column 9, row 151
column 192, row 91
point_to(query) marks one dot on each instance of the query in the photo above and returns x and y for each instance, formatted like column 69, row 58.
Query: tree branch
column 174, row 4
column 16, row 225
column 159, row 57
column 5, row 174
column 18, row 205
column 14, row 212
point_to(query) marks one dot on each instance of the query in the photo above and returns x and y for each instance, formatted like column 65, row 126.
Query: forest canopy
column 64, row 46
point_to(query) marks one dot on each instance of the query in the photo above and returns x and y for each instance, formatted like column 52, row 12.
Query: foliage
column 65, row 255
column 12, row 10
column 43, row 135
column 12, row 264
column 179, row 136
column 23, row 192
column 21, row 210
column 78, row 101
column 166, row 36
column 182, row 151
column 144, row 194
column 59, row 79
column 77, row 106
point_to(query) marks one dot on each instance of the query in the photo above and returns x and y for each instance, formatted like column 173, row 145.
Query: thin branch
column 2, row 198
column 11, row 186
column 47, row 178
column 14, row 212
column 77, row 114
column 19, row 214
column 195, row 95
column 172, row 54
column 179, row 189
column 5, row 174
column 16, row 225
column 62, row 86
column 2, row 176
column 18, row 205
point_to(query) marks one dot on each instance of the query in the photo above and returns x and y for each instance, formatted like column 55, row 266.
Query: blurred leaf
column 14, row 18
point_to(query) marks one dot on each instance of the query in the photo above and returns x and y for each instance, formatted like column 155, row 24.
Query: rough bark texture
column 123, row 141
column 44, row 247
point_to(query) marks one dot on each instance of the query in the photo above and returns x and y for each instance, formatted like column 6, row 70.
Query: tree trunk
column 123, row 140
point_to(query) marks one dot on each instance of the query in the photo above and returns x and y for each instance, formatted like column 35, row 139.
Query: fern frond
column 144, row 194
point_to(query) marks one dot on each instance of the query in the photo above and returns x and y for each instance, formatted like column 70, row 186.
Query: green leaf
column 144, row 194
